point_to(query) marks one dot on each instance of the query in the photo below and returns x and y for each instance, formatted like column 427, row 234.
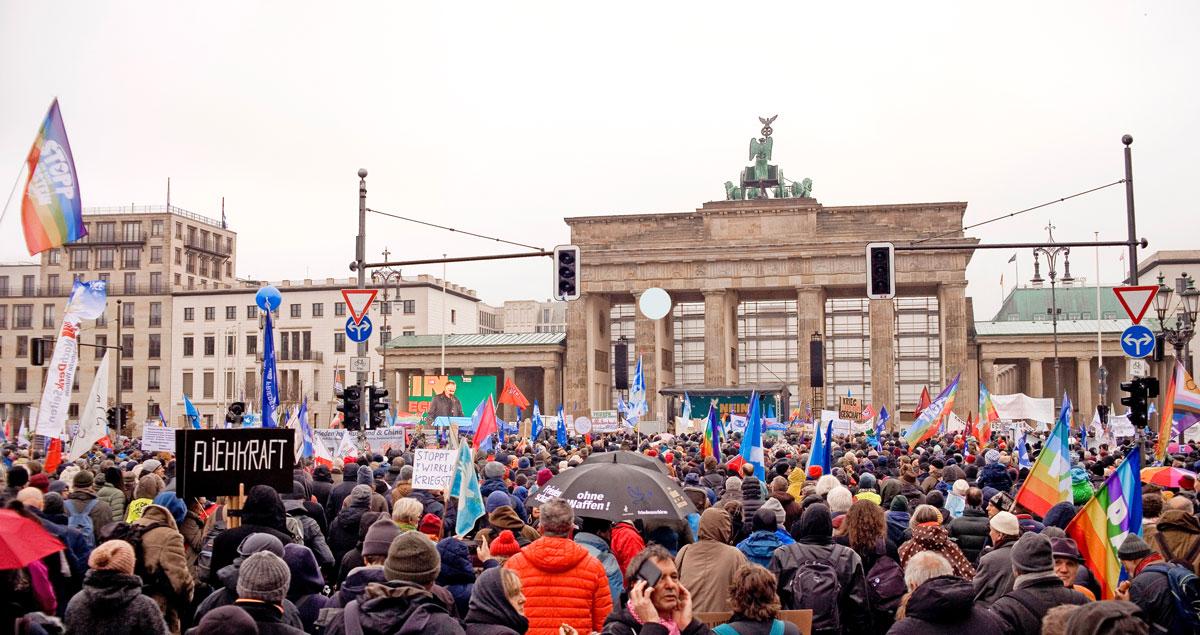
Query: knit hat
column 1005, row 523
column 52, row 504
column 1133, row 548
column 431, row 526
column 360, row 496
column 112, row 476
column 412, row 558
column 406, row 473
column 114, row 555
column 775, row 507
column 260, row 541
column 83, row 480
column 866, row 481
column 264, row 576
column 226, row 620
column 1032, row 554
column 961, row 486
column 149, row 465
column 899, row 503
column 544, row 475
column 496, row 500
column 379, row 537
column 991, row 456
column 42, row 481
column 1065, row 548
column 733, row 484
column 505, row 544
column 493, row 469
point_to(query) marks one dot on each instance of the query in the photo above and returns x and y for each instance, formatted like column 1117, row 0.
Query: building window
column 189, row 314
column 52, row 287
column 3, row 316
column 127, row 378
column 156, row 228
column 187, row 385
column 210, row 313
column 132, row 231
column 22, row 345
column 339, row 342
column 188, row 346
column 191, row 263
column 156, row 255
column 156, row 283
column 385, row 308
column 179, row 230
column 231, row 313
column 191, row 283
column 230, row 345
column 127, row 346
column 385, row 335
column 47, row 316
column 23, row 316
column 154, row 348
column 208, row 384
column 408, row 332
column 318, row 309
column 29, row 285
column 251, row 344
column 127, row 314
column 453, row 316
column 79, row 259
column 295, row 310
column 210, row 345
column 228, row 269
column 410, row 307
column 54, row 256
column 131, row 258
column 156, row 314
column 4, row 285
column 339, row 309
column 104, row 257
column 203, row 266
column 178, row 256
column 130, row 283
column 22, row 380
column 251, row 312
column 101, row 342
column 104, row 232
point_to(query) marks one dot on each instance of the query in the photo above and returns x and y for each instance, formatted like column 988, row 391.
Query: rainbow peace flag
column 712, row 437
column 1114, row 513
column 51, row 212
column 1049, row 480
column 926, row 425
column 987, row 416
column 1181, row 409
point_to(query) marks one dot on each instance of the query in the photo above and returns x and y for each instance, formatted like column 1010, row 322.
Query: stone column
column 1084, row 401
column 550, row 390
column 400, row 391
column 507, row 412
column 1034, row 385
column 987, row 374
column 883, row 354
column 810, row 318
column 654, row 341
column 720, row 337
column 952, row 316
column 589, row 353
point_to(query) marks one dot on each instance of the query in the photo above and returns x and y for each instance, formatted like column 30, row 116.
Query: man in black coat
column 939, row 603
column 1150, row 587
column 262, row 512
column 355, row 475
column 1036, row 588
column 970, row 531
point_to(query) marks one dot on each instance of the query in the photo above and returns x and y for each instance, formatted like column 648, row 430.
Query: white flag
column 60, row 376
column 346, row 446
column 93, row 424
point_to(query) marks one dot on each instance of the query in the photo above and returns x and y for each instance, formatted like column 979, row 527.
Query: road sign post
column 359, row 332
column 1135, row 300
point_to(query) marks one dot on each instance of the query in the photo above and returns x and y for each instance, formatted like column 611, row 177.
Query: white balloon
column 655, row 303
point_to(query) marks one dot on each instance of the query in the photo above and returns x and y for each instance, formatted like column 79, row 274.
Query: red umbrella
column 1169, row 477
column 23, row 540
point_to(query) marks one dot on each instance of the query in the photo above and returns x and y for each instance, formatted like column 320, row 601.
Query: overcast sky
column 503, row 118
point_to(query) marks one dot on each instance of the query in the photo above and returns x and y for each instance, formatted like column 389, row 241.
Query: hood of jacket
column 552, row 554
column 456, row 562
column 157, row 515
column 263, row 507
column 898, row 519
column 111, row 587
column 1178, row 520
column 506, row 517
column 149, row 486
column 760, row 544
column 716, row 525
column 386, row 606
column 942, row 600
column 931, row 537
column 356, row 583
column 489, row 604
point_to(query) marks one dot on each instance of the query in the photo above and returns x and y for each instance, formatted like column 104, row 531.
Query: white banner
column 380, row 439
column 158, row 438
column 60, row 376
column 1022, row 406
column 432, row 469
column 93, row 424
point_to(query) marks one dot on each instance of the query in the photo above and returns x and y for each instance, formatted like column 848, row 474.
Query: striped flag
column 926, row 424
column 1049, row 481
column 1181, row 409
column 987, row 416
column 1112, row 515
column 712, row 436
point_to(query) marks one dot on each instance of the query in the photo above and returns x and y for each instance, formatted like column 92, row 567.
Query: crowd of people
column 895, row 539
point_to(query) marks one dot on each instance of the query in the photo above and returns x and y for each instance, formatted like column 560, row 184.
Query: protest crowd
column 889, row 538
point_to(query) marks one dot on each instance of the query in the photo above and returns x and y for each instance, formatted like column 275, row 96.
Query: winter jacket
column 752, row 499
column 601, row 551
column 1020, row 610
column 321, row 485
column 227, row 594
column 625, row 543
column 269, row 618
column 355, row 585
column 490, row 612
column 505, row 517
column 698, row 495
column 1151, row 591
column 169, row 579
column 389, row 608
column 791, row 507
column 77, row 549
column 994, row 575
column 996, row 476
column 563, row 583
column 935, row 538
column 970, row 532
column 497, row 485
column 431, row 505
column 457, row 575
column 192, row 530
column 314, row 539
column 853, row 608
column 115, row 497
column 759, row 546
column 101, row 514
column 1179, row 531
column 262, row 512
column 112, row 603
column 945, row 606
column 343, row 531
column 707, row 566
column 624, row 623
column 897, row 526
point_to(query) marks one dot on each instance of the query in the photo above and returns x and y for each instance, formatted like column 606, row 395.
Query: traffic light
column 566, row 272
column 378, row 406
column 1140, row 390
column 350, row 396
column 111, row 416
column 124, row 418
column 234, row 414
column 881, row 268
column 37, row 351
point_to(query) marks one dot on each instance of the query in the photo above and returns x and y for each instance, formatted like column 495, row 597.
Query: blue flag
column 752, row 447
column 1022, row 453
column 687, row 408
column 637, row 395
column 535, row 422
column 827, row 455
column 270, row 378
column 562, row 428
column 818, row 449
column 192, row 415
column 305, row 429
column 466, row 488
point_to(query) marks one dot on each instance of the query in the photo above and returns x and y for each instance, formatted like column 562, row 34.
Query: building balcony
column 287, row 356
column 210, row 247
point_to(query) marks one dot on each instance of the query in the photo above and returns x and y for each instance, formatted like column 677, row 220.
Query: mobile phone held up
column 648, row 572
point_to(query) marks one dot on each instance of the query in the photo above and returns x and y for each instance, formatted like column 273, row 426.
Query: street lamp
column 1051, row 253
column 385, row 277
column 1185, row 315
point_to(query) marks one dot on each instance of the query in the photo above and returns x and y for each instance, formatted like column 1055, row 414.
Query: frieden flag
column 1113, row 514
column 1049, row 480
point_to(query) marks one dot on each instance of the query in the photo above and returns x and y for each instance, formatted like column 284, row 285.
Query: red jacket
column 625, row 543
column 562, row 583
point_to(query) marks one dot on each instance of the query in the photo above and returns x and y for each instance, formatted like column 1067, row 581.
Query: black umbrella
column 626, row 457
column 616, row 491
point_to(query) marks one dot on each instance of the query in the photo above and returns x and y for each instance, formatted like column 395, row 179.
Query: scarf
column 665, row 622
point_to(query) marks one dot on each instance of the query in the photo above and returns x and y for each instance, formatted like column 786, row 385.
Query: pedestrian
column 111, row 601
column 666, row 607
column 226, row 620
column 1178, row 534
column 928, row 534
column 343, row 530
column 148, row 486
column 594, row 534
column 625, row 542
column 970, row 530
column 938, row 603
column 755, row 605
column 994, row 474
column 304, row 590
column 707, row 566
column 227, row 593
column 762, row 542
column 262, row 512
column 110, row 490
column 994, row 575
column 262, row 586
column 457, row 575
column 376, row 542
column 168, row 579
column 898, row 519
column 1036, row 587
column 85, row 511
column 1067, row 563
column 1149, row 586
column 497, row 605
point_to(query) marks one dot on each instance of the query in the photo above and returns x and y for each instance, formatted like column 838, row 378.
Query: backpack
column 1185, row 593
column 777, row 627
column 82, row 520
column 816, row 586
column 1186, row 560
column 296, row 528
column 204, row 559
column 885, row 585
column 133, row 534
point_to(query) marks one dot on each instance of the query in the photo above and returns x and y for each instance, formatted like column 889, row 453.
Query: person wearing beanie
column 339, row 492
column 866, row 489
column 357, row 575
column 733, row 489
column 226, row 620
column 42, row 481
column 1036, row 587
column 411, row 567
column 897, row 516
column 814, row 543
column 970, row 529
column 343, row 529
column 169, row 580
column 504, row 546
column 994, row 474
column 956, row 499
column 431, row 526
column 148, row 486
column 111, row 601
column 994, row 575
column 501, row 515
column 493, row 481
column 1150, row 586
column 262, row 586
column 83, row 500
column 306, row 584
column 111, row 492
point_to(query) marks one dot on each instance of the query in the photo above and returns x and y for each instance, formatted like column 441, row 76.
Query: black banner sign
column 212, row 463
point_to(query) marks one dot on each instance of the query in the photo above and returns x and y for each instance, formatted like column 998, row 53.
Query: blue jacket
column 600, row 549
column 759, row 546
column 497, row 485
column 897, row 527
column 995, row 475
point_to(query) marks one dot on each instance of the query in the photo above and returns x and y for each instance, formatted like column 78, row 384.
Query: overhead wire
column 459, row 231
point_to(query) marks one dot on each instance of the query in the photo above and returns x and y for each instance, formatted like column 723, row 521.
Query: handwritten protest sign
column 215, row 462
column 158, row 438
column 432, row 469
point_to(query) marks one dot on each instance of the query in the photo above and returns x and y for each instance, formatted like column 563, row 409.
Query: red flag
column 53, row 457
column 487, row 423
column 923, row 403
column 512, row 396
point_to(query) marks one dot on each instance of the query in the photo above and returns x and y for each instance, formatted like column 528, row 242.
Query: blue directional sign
column 358, row 332
column 1137, row 341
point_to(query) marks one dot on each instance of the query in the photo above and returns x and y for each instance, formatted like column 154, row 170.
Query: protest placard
column 158, row 438
column 605, row 421
column 215, row 462
column 432, row 469
column 850, row 408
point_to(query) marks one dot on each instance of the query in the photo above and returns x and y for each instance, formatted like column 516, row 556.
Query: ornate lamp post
column 386, row 277
column 1185, row 310
column 1051, row 252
